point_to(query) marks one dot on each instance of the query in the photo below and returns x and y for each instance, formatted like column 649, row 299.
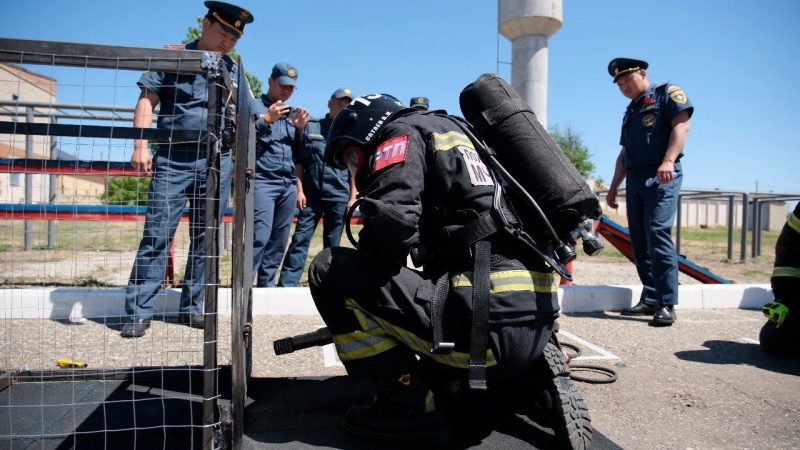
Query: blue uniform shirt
column 322, row 182
column 278, row 146
column 184, row 98
column 647, row 124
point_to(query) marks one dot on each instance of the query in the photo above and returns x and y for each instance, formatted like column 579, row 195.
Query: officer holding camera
column 280, row 142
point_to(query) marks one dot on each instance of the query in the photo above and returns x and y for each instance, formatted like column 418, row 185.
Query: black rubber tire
column 569, row 416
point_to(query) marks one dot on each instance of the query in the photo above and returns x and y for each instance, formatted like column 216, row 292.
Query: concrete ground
column 703, row 383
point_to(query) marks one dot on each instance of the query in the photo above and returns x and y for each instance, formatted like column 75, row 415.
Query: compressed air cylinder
column 507, row 124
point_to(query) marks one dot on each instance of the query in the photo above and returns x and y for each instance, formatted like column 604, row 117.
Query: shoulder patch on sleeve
column 677, row 95
column 391, row 152
column 673, row 89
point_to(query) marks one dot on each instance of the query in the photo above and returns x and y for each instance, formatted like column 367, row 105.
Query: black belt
column 643, row 169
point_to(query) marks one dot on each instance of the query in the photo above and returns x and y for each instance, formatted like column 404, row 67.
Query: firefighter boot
column 553, row 400
column 403, row 412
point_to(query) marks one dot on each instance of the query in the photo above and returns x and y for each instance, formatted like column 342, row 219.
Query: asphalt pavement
column 703, row 383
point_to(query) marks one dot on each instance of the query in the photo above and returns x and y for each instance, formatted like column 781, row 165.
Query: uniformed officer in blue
column 654, row 131
column 179, row 172
column 420, row 103
column 323, row 192
column 280, row 143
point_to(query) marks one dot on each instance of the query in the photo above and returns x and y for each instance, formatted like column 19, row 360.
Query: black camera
column 291, row 113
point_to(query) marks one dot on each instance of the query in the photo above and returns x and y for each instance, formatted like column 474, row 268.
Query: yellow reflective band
column 378, row 333
column 794, row 222
column 446, row 141
column 362, row 320
column 511, row 281
column 360, row 344
column 786, row 272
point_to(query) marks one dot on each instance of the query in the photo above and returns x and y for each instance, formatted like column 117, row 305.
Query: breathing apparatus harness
column 473, row 236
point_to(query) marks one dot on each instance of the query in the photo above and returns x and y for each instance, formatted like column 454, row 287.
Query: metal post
column 226, row 228
column 211, row 260
column 743, row 249
column 28, row 225
column 730, row 227
column 756, row 226
column 51, row 224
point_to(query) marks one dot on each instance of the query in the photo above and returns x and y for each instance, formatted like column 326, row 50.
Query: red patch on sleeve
column 390, row 152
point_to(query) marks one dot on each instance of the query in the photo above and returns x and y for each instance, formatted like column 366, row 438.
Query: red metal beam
column 619, row 237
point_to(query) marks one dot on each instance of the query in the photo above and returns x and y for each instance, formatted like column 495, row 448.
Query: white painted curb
column 77, row 304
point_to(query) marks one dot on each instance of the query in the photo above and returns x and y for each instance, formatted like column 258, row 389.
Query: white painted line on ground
column 604, row 353
column 330, row 357
column 752, row 341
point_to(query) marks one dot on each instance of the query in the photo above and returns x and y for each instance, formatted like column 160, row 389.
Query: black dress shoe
column 135, row 328
column 194, row 320
column 665, row 315
column 640, row 309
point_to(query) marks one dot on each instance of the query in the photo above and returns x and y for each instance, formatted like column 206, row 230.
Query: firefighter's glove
column 776, row 312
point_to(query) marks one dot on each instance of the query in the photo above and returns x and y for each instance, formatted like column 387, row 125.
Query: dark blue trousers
column 651, row 213
column 177, row 178
column 333, row 217
column 275, row 203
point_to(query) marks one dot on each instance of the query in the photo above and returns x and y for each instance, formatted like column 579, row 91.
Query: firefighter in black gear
column 421, row 183
column 781, row 333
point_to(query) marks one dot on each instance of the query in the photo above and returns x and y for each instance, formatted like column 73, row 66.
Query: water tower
column 528, row 24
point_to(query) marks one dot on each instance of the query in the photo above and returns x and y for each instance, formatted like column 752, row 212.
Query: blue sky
column 737, row 61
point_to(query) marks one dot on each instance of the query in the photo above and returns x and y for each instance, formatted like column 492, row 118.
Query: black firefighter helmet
column 358, row 124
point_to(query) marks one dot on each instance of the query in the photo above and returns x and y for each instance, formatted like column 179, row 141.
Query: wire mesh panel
column 79, row 239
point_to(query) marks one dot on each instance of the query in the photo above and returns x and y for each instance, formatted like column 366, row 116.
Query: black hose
column 347, row 221
column 575, row 348
column 610, row 374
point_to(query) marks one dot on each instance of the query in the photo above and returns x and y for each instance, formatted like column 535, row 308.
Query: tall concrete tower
column 528, row 24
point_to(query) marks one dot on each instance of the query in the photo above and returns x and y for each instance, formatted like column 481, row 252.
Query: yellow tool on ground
column 68, row 363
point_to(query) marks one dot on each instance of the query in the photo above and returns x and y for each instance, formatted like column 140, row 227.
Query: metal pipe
column 51, row 224
column 730, row 227
column 28, row 226
column 743, row 250
column 753, row 253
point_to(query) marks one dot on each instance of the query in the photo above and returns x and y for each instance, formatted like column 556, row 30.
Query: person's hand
column 666, row 172
column 141, row 160
column 300, row 119
column 611, row 198
column 276, row 111
column 301, row 201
